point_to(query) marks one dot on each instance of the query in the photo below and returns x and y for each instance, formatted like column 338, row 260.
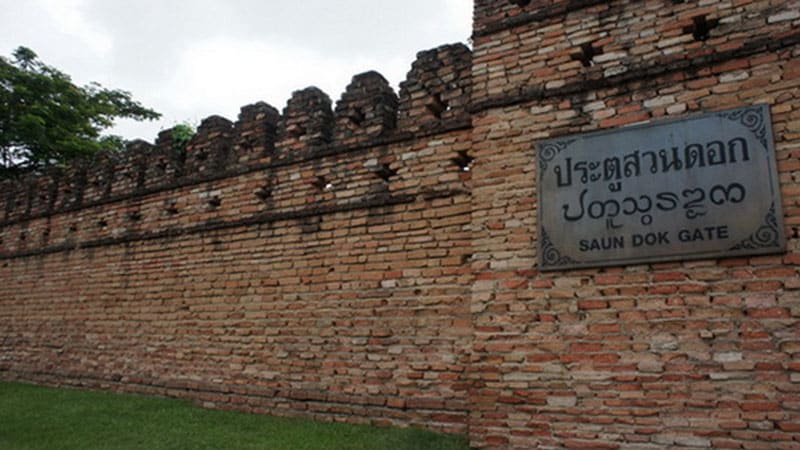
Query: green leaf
column 46, row 119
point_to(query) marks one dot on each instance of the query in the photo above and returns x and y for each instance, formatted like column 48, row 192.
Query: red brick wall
column 304, row 263
column 686, row 354
column 339, row 263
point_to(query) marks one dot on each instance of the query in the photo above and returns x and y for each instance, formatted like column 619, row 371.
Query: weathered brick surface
column 274, row 266
column 376, row 261
column 695, row 354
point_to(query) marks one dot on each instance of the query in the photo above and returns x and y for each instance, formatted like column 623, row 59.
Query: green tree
column 45, row 119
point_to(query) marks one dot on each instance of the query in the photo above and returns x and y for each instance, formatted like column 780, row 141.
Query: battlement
column 565, row 55
column 383, row 258
column 434, row 98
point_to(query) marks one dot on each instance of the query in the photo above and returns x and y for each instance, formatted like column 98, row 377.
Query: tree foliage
column 45, row 119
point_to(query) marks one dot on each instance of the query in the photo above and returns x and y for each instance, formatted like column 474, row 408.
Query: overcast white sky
column 189, row 59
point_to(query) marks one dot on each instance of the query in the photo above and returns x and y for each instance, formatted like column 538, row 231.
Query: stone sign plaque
column 701, row 187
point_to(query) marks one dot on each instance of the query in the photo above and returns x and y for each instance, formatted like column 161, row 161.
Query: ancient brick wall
column 313, row 262
column 681, row 354
column 376, row 260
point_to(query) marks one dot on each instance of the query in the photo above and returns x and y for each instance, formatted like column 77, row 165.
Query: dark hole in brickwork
column 247, row 144
column 23, row 237
column 134, row 216
column 437, row 106
column 102, row 223
column 214, row 202
column 264, row 193
column 384, row 172
column 701, row 27
column 796, row 232
column 587, row 54
column 201, row 155
column 357, row 117
column 521, row 3
column 171, row 207
column 322, row 184
column 463, row 161
column 73, row 228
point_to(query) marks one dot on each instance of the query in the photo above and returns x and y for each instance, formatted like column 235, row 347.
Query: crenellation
column 50, row 189
column 100, row 176
column 27, row 195
column 6, row 185
column 125, row 169
column 129, row 169
column 367, row 110
column 140, row 152
column 73, row 185
column 307, row 121
column 12, row 197
column 37, row 197
column 15, row 199
column 210, row 149
column 167, row 162
column 367, row 113
column 437, row 90
column 379, row 263
column 255, row 133
column 166, row 138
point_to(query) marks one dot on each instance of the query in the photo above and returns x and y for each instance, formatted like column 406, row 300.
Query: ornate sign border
column 766, row 239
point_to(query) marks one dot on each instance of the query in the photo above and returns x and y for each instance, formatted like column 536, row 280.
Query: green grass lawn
column 33, row 417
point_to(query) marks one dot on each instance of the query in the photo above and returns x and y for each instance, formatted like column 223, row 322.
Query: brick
column 375, row 259
column 562, row 402
column 768, row 313
column 789, row 427
column 592, row 304
column 761, row 406
column 784, row 16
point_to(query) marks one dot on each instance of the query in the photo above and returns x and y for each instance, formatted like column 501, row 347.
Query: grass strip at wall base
column 33, row 417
